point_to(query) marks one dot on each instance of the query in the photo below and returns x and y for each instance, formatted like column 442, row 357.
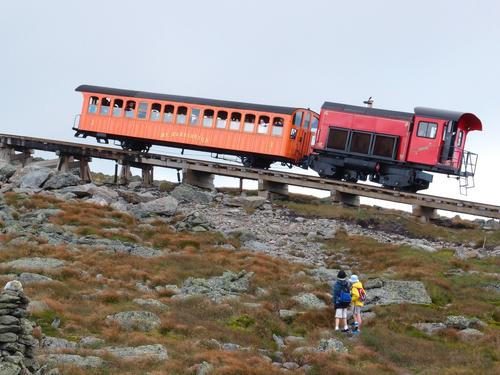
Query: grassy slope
column 387, row 345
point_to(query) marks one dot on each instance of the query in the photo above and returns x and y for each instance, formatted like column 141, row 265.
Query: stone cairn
column 17, row 345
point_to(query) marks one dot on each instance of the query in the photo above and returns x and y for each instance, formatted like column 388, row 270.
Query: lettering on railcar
column 193, row 137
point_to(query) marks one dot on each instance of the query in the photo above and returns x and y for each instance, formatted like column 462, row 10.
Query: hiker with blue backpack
column 358, row 296
column 341, row 300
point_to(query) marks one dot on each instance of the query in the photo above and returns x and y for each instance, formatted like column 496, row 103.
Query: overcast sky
column 443, row 54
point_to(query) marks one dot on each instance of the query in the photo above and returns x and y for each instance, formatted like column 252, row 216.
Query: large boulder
column 72, row 360
column 135, row 198
column 31, row 177
column 242, row 201
column 165, row 206
column 136, row 320
column 388, row 292
column 331, row 344
column 61, row 180
column 190, row 194
column 102, row 195
column 52, row 344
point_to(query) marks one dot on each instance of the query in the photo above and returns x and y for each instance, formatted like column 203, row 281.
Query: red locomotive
column 345, row 142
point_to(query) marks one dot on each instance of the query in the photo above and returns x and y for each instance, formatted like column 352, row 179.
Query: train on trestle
column 342, row 142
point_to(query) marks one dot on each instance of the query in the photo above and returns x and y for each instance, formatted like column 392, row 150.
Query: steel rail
column 78, row 150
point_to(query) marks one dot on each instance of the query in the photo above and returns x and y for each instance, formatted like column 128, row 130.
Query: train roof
column 367, row 111
column 473, row 122
column 186, row 99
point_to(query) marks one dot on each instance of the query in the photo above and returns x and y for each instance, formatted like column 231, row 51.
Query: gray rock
column 398, row 292
column 91, row 342
column 8, row 320
column 287, row 314
column 60, row 180
column 470, row 334
column 8, row 337
column 150, row 302
column 102, row 194
column 7, row 170
column 332, row 344
column 294, row 339
column 204, row 368
column 154, row 352
column 38, row 307
column 27, row 278
column 72, row 360
column 429, row 328
column 8, row 368
column 136, row 320
column 116, row 246
column 309, row 301
column 290, row 365
column 135, row 198
column 188, row 193
column 52, row 344
column 241, row 201
column 256, row 246
column 80, row 191
column 35, row 263
column 230, row 347
column 165, row 206
column 421, row 245
column 322, row 274
column 462, row 322
column 31, row 177
column 217, row 288
column 278, row 340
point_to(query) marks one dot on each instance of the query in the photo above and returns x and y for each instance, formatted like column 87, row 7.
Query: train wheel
column 135, row 146
column 251, row 161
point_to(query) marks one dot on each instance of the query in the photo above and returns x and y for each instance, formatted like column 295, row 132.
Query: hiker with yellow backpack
column 358, row 296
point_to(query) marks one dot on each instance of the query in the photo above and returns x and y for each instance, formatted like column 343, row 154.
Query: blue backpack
column 345, row 296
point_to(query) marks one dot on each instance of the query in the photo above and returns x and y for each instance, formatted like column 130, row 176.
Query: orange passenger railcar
column 258, row 134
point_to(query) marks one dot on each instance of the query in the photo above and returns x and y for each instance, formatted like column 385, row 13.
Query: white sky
column 443, row 54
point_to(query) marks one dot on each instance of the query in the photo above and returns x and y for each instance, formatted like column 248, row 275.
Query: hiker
column 358, row 296
column 342, row 300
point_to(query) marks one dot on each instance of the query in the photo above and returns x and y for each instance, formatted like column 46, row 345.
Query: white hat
column 354, row 279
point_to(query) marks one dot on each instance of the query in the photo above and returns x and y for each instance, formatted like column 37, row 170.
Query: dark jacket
column 339, row 284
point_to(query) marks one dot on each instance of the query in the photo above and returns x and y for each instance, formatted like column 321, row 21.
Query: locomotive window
column 263, row 124
column 277, row 126
column 93, row 103
column 235, row 121
column 427, row 129
column 221, row 120
column 460, row 138
column 360, row 142
column 194, row 119
column 117, row 107
column 297, row 118
column 384, row 146
column 249, row 123
column 143, row 110
column 337, row 139
column 307, row 120
column 155, row 112
column 105, row 104
column 130, row 109
column 168, row 113
column 208, row 118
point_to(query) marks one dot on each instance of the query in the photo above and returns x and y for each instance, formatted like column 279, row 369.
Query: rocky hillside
column 176, row 280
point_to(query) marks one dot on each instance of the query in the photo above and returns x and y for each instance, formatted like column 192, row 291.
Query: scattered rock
column 72, row 360
column 31, row 177
column 150, row 302
column 27, row 278
column 153, row 352
column 290, row 365
column 429, row 328
column 322, row 274
column 203, row 368
column 470, row 334
column 91, row 342
column 165, row 206
column 332, row 344
column 309, row 301
column 52, row 344
column 7, row 170
column 396, row 292
column 462, row 322
column 136, row 320
column 35, row 263
column 242, row 201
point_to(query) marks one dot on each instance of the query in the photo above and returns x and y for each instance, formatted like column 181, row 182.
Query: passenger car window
column 263, row 124
column 117, row 107
column 181, row 115
column 235, row 121
column 208, row 118
column 221, row 120
column 307, row 120
column 168, row 113
column 143, row 110
column 195, row 116
column 277, row 126
column 297, row 118
column 249, row 123
column 105, row 104
column 130, row 109
column 93, row 103
column 155, row 112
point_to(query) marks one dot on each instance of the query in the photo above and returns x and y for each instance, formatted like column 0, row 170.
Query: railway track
column 80, row 151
